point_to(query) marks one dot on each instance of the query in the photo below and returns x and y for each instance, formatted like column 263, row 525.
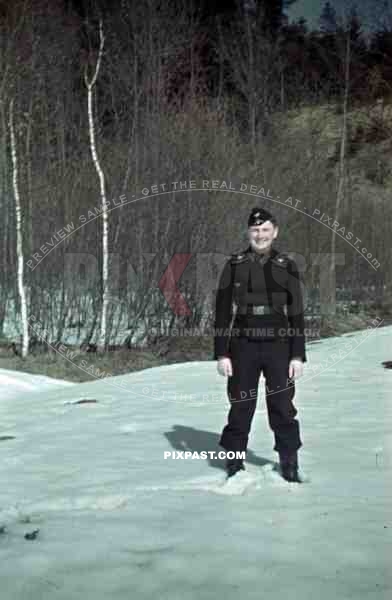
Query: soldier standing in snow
column 260, row 290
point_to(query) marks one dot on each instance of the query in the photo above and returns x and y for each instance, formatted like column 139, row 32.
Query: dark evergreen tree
column 380, row 59
column 328, row 20
column 270, row 13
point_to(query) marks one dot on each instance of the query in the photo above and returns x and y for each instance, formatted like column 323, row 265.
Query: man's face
column 262, row 236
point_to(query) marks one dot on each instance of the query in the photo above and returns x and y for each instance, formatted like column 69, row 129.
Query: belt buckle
column 259, row 310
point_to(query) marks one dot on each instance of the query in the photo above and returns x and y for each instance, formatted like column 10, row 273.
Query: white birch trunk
column 105, row 226
column 19, row 237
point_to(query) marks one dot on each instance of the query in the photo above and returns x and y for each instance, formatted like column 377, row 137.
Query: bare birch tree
column 342, row 160
column 19, row 236
column 90, row 84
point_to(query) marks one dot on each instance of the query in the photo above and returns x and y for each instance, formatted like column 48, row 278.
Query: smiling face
column 262, row 236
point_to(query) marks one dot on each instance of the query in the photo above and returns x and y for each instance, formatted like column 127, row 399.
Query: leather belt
column 260, row 309
column 256, row 309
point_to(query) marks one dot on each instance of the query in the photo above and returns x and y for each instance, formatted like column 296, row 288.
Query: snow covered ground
column 116, row 520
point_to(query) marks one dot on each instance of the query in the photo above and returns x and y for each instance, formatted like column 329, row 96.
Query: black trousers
column 249, row 359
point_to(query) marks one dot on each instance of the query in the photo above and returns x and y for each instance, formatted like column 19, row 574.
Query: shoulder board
column 281, row 260
column 238, row 258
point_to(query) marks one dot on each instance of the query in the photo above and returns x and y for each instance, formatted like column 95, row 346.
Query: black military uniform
column 259, row 324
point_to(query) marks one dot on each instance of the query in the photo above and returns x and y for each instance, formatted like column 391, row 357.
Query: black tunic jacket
column 260, row 297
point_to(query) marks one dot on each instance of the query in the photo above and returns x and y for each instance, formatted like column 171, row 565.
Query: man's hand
column 296, row 368
column 224, row 366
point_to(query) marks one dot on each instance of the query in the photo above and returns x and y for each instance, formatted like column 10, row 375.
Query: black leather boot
column 288, row 463
column 233, row 465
